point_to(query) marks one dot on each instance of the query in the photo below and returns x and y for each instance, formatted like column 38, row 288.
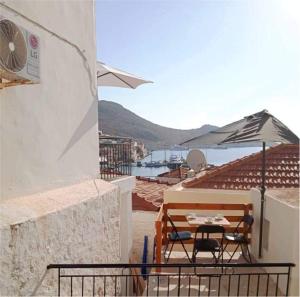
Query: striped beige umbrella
column 108, row 76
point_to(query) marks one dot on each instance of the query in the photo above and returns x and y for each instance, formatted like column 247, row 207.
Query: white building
column 54, row 208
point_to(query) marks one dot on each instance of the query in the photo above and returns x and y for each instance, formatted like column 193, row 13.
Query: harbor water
column 213, row 156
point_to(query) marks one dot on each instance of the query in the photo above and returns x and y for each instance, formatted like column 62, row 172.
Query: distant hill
column 114, row 119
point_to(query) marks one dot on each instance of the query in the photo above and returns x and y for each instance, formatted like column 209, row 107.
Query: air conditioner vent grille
column 13, row 50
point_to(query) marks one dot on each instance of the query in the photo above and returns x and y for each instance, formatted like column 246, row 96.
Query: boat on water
column 154, row 164
column 178, row 148
column 139, row 164
column 175, row 162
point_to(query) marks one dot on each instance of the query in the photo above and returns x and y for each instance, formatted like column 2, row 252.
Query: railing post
column 246, row 212
column 158, row 238
column 288, row 281
column 165, row 223
column 58, row 293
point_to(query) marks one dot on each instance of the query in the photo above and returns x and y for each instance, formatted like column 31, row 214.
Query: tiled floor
column 207, row 281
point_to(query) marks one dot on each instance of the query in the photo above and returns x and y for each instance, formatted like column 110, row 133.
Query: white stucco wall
column 74, row 224
column 125, row 186
column 53, row 209
column 280, row 234
column 48, row 130
column 178, row 193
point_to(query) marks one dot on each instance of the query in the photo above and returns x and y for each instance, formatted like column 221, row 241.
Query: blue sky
column 212, row 62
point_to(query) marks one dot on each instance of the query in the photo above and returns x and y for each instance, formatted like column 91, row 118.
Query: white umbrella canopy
column 250, row 130
column 108, row 76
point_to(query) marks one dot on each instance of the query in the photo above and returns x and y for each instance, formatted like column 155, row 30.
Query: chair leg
column 193, row 260
column 222, row 255
column 186, row 251
column 170, row 251
column 165, row 250
column 214, row 256
column 225, row 248
column 154, row 250
column 194, row 257
column 233, row 253
column 246, row 253
column 249, row 253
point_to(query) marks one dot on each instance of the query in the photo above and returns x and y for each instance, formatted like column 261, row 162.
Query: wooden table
column 202, row 220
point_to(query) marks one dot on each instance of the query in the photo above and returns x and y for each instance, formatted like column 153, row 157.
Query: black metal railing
column 260, row 279
column 115, row 157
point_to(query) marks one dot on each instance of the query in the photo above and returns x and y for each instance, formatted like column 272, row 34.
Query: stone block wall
column 75, row 224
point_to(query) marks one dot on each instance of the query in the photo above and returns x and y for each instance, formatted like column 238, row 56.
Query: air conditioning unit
column 19, row 53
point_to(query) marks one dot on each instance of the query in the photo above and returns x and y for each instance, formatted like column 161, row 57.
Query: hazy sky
column 212, row 62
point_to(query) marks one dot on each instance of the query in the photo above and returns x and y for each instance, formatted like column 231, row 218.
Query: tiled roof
column 150, row 191
column 139, row 203
column 282, row 171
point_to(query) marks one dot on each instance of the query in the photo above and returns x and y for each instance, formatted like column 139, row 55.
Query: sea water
column 213, row 156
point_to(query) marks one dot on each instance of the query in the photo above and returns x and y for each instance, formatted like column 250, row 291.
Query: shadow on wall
column 89, row 120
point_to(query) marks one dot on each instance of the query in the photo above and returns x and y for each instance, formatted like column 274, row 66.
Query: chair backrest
column 209, row 229
column 174, row 229
column 248, row 220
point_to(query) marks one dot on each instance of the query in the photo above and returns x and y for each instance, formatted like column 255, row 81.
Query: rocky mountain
column 114, row 119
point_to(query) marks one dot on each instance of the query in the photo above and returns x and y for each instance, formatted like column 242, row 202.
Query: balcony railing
column 115, row 157
column 261, row 279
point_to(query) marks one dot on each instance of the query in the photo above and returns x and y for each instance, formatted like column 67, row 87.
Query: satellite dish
column 196, row 160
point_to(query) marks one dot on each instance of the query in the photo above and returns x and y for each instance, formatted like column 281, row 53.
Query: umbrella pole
column 262, row 197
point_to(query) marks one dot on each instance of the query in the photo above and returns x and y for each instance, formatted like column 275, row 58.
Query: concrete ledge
column 18, row 210
column 125, row 183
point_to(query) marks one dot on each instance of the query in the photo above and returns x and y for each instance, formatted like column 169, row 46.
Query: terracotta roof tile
column 282, row 171
column 139, row 203
column 151, row 191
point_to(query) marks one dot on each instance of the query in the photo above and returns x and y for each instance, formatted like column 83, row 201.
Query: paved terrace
column 243, row 281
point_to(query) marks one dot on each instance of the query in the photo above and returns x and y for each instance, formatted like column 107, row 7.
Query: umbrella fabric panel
column 249, row 131
column 113, row 77
column 262, row 127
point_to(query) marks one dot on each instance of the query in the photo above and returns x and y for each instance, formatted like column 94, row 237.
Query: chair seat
column 183, row 235
column 207, row 245
column 237, row 237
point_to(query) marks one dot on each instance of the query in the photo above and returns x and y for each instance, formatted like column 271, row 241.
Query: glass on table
column 191, row 216
column 219, row 217
column 209, row 220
